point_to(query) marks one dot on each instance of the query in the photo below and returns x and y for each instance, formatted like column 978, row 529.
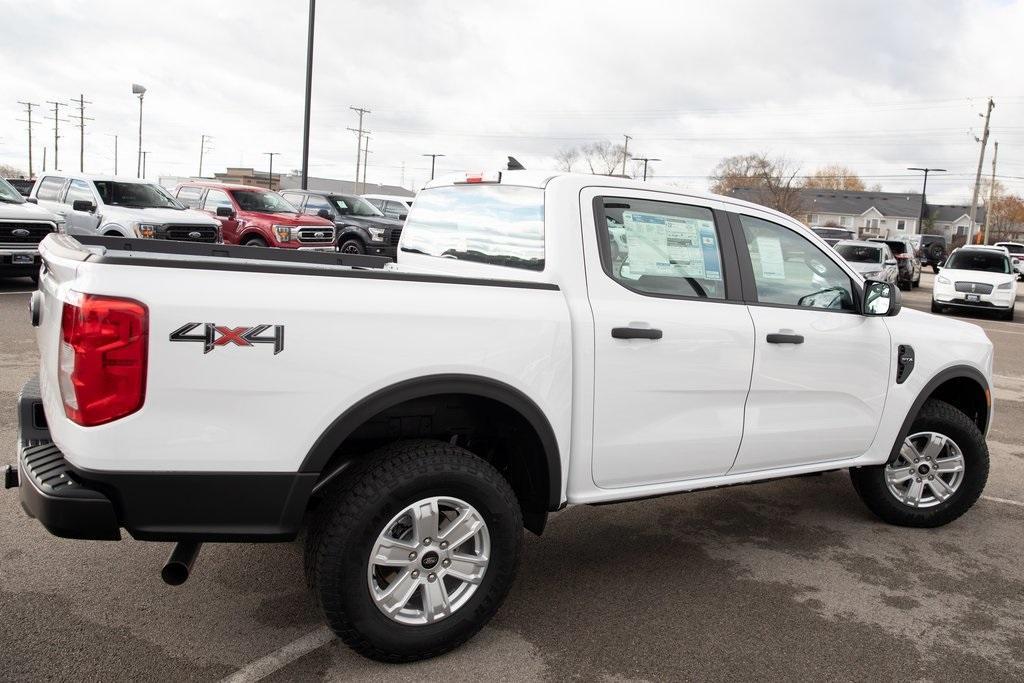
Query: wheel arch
column 962, row 386
column 540, row 492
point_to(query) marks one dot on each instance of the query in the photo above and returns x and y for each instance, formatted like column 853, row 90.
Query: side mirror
column 83, row 205
column 31, row 200
column 225, row 212
column 881, row 299
column 324, row 213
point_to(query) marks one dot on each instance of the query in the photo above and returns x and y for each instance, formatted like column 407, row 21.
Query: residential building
column 875, row 214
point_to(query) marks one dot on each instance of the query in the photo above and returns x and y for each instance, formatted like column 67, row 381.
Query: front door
column 81, row 222
column 228, row 224
column 821, row 370
column 673, row 348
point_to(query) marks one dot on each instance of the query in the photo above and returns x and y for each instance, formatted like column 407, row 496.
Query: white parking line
column 282, row 657
column 1003, row 500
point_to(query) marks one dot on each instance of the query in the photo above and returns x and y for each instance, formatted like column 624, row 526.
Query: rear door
column 821, row 370
column 673, row 341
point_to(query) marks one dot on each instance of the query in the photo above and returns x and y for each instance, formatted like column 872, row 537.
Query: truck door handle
column 636, row 333
column 781, row 338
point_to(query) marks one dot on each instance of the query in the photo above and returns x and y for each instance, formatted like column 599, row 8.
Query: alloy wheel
column 927, row 472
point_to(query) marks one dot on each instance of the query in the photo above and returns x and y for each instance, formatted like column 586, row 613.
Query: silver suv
column 129, row 207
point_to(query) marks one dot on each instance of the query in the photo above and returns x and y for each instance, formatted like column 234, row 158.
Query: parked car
column 907, row 260
column 874, row 261
column 507, row 366
column 1016, row 251
column 361, row 227
column 933, row 251
column 257, row 217
column 22, row 185
column 23, row 226
column 391, row 205
column 978, row 277
column 128, row 207
column 833, row 235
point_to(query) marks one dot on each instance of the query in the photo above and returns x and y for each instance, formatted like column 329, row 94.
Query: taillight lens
column 102, row 364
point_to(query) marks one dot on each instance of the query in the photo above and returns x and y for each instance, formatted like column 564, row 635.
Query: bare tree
column 566, row 157
column 774, row 181
column 835, row 177
column 8, row 171
column 602, row 157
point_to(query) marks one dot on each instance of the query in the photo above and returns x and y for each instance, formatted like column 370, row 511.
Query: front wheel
column 1009, row 314
column 352, row 246
column 254, row 242
column 939, row 473
column 412, row 555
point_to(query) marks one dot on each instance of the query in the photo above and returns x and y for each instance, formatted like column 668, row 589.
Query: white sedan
column 978, row 277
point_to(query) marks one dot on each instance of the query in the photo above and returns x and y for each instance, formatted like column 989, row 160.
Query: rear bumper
column 157, row 506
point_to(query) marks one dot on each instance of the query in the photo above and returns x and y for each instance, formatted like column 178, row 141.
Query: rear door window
column 191, row 196
column 79, row 190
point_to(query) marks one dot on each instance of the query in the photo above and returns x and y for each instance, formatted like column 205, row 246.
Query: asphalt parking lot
column 791, row 579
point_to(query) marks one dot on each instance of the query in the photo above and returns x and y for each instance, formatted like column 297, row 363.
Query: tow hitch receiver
column 10, row 477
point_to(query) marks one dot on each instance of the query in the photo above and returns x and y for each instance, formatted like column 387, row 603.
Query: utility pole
column 270, row 174
column 44, row 159
column 366, row 154
column 82, row 118
column 28, row 120
column 924, row 190
column 645, row 160
column 57, row 120
column 625, row 153
column 309, row 94
column 114, row 135
column 202, row 150
column 433, row 158
column 144, row 153
column 990, row 207
column 359, row 142
column 403, row 175
column 977, row 177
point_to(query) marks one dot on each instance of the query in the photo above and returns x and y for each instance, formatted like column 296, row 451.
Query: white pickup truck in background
column 545, row 339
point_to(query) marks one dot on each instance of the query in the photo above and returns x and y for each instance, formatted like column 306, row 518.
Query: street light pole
column 144, row 154
column 270, row 174
column 141, row 92
column 309, row 92
column 433, row 159
column 924, row 189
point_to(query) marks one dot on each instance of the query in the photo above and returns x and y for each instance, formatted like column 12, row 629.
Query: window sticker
column 671, row 245
column 773, row 265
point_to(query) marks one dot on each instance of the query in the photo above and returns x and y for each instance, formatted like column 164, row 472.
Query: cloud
column 875, row 85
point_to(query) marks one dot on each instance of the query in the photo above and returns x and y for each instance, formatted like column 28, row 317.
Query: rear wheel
column 939, row 473
column 412, row 555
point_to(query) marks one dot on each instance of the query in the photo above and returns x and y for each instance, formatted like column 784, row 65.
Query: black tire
column 941, row 417
column 358, row 509
column 35, row 277
column 352, row 245
column 917, row 282
column 254, row 242
column 1009, row 314
column 937, row 308
column 905, row 286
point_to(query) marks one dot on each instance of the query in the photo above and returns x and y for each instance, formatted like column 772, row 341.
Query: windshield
column 354, row 206
column 9, row 194
column 262, row 201
column 859, row 253
column 135, row 195
column 976, row 259
column 497, row 224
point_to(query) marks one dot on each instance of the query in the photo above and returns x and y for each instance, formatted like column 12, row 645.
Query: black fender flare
column 934, row 383
column 346, row 230
column 342, row 427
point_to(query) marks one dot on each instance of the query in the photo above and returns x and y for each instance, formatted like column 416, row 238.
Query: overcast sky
column 875, row 85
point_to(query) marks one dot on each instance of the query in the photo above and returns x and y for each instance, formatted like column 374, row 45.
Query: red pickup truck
column 257, row 217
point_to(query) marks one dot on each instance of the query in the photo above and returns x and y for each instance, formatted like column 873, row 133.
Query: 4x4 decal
column 221, row 335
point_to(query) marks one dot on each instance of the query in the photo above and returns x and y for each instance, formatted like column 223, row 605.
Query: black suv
column 907, row 262
column 361, row 227
column 934, row 251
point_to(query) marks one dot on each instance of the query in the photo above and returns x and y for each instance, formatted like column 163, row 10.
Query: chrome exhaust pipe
column 179, row 564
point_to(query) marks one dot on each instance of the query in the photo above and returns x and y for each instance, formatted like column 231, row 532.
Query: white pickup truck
column 544, row 340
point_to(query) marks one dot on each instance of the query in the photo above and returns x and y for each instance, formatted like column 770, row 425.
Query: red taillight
column 102, row 363
column 902, row 256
